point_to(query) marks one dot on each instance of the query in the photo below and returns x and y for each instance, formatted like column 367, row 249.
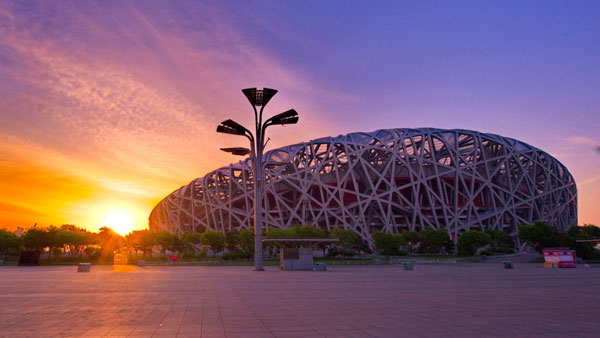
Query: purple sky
column 116, row 102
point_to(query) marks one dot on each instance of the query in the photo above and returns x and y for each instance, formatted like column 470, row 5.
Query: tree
column 435, row 240
column 191, row 239
column 246, row 240
column 215, row 240
column 308, row 231
column 35, row 239
column 501, row 240
column 409, row 239
column 539, row 234
column 9, row 242
column 231, row 239
column 386, row 243
column 585, row 250
column 54, row 239
column 591, row 230
column 347, row 239
column 469, row 241
column 74, row 238
column 168, row 241
column 276, row 233
column 109, row 241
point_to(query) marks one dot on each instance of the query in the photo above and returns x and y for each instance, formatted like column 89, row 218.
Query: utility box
column 296, row 259
column 83, row 267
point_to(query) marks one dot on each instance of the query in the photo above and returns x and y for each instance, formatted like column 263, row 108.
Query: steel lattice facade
column 390, row 180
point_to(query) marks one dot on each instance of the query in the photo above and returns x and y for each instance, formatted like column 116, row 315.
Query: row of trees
column 69, row 240
column 542, row 235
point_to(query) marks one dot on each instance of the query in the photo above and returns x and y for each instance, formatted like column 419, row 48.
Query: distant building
column 390, row 180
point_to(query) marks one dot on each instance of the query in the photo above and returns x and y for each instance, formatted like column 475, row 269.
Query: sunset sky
column 107, row 107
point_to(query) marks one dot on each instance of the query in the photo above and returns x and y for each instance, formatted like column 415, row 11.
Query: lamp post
column 257, row 98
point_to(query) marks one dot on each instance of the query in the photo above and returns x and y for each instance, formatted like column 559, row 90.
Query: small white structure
column 296, row 259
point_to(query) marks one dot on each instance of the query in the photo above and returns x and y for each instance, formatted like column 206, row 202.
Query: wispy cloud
column 122, row 98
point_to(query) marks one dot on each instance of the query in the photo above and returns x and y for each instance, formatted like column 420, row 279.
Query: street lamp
column 257, row 98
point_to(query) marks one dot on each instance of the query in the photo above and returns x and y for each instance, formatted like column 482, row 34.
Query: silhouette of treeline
column 69, row 242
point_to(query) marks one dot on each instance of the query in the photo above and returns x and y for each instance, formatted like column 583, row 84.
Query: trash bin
column 320, row 267
column 508, row 265
column 83, row 267
column 408, row 265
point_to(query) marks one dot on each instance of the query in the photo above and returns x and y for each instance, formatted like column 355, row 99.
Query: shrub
column 469, row 241
column 386, row 243
column 539, row 234
column 435, row 240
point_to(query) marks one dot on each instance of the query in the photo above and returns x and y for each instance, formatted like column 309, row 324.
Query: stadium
column 390, row 180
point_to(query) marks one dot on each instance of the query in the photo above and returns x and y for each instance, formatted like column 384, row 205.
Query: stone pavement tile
column 298, row 333
column 461, row 299
column 357, row 333
column 248, row 333
column 190, row 328
column 213, row 333
column 331, row 333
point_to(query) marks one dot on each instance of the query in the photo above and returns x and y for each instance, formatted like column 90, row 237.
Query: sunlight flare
column 119, row 221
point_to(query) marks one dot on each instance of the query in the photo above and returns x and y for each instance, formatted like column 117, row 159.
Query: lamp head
column 231, row 127
column 259, row 97
column 287, row 117
column 237, row 151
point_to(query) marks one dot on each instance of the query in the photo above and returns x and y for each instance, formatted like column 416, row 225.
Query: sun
column 119, row 221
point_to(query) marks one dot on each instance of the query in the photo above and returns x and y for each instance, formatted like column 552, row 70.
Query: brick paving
column 460, row 300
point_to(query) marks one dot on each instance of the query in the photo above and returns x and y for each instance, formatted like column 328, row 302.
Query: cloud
column 17, row 209
column 590, row 180
column 120, row 101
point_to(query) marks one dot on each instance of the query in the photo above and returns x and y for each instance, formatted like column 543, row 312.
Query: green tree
column 215, row 240
column 35, row 239
column 585, row 250
column 232, row 239
column 167, row 241
column 246, row 240
column 74, row 238
column 435, row 240
column 469, row 241
column 191, row 239
column 591, row 230
column 109, row 242
column 386, row 243
column 347, row 239
column 278, row 233
column 539, row 234
column 9, row 242
column 309, row 231
column 501, row 240
column 409, row 239
column 55, row 239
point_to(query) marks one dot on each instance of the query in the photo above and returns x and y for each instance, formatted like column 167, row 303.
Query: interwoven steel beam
column 389, row 180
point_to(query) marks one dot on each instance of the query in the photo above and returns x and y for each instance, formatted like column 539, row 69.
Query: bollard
column 508, row 265
column 83, row 267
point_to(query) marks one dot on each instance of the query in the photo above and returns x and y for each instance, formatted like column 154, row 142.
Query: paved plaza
column 466, row 299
